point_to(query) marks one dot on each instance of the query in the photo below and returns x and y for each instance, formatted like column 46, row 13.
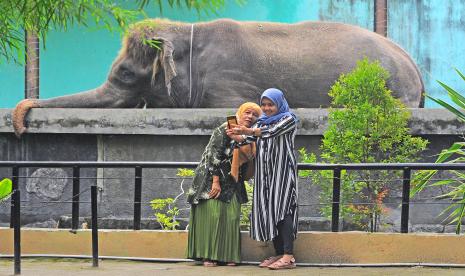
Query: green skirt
column 214, row 232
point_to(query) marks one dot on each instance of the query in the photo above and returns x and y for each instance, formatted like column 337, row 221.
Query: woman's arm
column 215, row 151
column 216, row 187
column 239, row 135
column 287, row 124
column 215, row 154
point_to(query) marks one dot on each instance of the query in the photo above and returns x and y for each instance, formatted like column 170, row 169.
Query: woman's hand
column 216, row 188
column 242, row 130
column 235, row 137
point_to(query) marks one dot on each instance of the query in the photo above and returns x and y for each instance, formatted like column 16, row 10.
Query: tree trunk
column 31, row 78
column 380, row 22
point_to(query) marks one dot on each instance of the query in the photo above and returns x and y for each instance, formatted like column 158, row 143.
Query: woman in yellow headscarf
column 218, row 191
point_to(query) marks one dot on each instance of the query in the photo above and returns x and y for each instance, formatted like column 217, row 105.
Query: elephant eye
column 126, row 74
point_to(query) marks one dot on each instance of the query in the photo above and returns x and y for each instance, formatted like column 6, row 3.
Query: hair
column 248, row 105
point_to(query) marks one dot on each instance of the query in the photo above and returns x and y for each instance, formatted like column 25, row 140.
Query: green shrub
column 365, row 125
column 165, row 213
column 6, row 187
column 166, row 209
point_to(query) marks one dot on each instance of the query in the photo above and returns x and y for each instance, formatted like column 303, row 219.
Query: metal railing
column 406, row 168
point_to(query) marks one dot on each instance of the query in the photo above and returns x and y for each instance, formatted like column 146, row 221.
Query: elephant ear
column 164, row 59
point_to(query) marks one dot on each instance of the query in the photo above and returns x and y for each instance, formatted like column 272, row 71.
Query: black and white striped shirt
column 275, row 192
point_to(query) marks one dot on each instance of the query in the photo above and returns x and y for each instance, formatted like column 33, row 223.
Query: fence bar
column 405, row 201
column 15, row 186
column 76, row 191
column 192, row 165
column 17, row 231
column 93, row 203
column 336, row 198
column 137, row 197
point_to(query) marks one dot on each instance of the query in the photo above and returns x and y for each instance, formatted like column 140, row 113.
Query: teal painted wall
column 433, row 33
column 430, row 30
column 79, row 59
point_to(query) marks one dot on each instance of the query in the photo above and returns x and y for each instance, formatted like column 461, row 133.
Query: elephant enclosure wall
column 169, row 135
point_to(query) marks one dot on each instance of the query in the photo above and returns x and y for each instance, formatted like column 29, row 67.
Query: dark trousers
column 284, row 242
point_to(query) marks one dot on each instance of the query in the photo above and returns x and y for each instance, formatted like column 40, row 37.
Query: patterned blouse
column 216, row 160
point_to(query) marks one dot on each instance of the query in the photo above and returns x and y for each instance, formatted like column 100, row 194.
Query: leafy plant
column 185, row 173
column 166, row 209
column 6, row 187
column 246, row 209
column 41, row 16
column 366, row 124
column 165, row 212
column 455, row 154
column 205, row 6
column 455, row 97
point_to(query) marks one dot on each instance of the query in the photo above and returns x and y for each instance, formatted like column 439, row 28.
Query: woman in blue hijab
column 274, row 206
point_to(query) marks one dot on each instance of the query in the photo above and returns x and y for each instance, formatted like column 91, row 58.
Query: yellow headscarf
column 246, row 153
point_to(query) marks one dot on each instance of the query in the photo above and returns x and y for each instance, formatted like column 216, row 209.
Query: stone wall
column 167, row 135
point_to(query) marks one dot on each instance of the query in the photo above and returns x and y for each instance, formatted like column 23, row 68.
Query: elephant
column 224, row 63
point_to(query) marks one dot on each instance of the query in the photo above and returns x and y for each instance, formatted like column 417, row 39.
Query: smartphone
column 231, row 121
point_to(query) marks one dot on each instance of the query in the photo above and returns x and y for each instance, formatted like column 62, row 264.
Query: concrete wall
column 310, row 247
column 167, row 135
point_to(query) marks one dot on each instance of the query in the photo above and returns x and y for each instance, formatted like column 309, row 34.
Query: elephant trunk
column 104, row 96
column 20, row 112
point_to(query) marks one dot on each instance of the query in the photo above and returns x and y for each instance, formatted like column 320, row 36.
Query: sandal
column 281, row 264
column 268, row 261
column 210, row 263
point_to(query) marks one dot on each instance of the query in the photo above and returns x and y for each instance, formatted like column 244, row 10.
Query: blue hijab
column 277, row 97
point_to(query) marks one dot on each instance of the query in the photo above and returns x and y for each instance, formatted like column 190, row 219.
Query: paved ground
column 65, row 267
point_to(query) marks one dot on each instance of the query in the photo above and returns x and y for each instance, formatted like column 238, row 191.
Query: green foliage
column 186, row 173
column 165, row 209
column 455, row 97
column 152, row 43
column 246, row 209
column 41, row 16
column 365, row 125
column 6, row 187
column 165, row 213
column 455, row 154
column 200, row 6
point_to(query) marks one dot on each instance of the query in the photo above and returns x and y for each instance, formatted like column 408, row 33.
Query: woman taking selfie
column 218, row 191
column 274, row 207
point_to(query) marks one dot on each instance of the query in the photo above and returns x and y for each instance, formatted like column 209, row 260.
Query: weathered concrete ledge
column 310, row 247
column 195, row 121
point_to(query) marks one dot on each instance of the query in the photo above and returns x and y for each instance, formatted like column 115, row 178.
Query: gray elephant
column 223, row 63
